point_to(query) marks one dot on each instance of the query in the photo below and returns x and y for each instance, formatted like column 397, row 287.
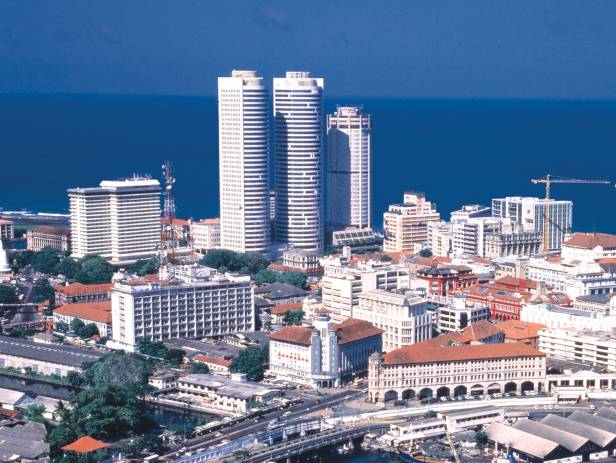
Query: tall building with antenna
column 243, row 134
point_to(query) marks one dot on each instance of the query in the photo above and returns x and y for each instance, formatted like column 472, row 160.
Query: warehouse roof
column 59, row 354
column 595, row 435
column 583, row 417
column 26, row 440
column 607, row 412
column 570, row 441
column 522, row 441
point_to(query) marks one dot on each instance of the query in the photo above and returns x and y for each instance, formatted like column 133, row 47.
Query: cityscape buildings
column 48, row 237
column 243, row 134
column 349, row 158
column 118, row 220
column 7, row 231
column 406, row 225
column 298, row 159
column 205, row 234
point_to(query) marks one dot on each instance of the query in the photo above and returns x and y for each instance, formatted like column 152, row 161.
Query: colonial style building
column 517, row 243
column 324, row 355
column 589, row 246
column 446, row 280
column 98, row 313
column 427, row 370
column 48, row 237
column 76, row 293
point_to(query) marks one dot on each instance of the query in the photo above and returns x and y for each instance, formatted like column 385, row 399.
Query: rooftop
column 79, row 289
column 227, row 387
column 591, row 240
column 60, row 354
column 595, row 435
column 26, row 440
column 47, row 230
column 526, row 442
column 518, row 330
column 99, row 311
column 281, row 309
column 279, row 291
column 85, row 444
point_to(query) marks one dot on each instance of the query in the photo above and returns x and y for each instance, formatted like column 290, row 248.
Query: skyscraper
column 348, row 168
column 118, row 220
column 298, row 148
column 243, row 148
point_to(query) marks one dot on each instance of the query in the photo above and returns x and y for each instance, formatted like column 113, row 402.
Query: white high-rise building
column 298, row 153
column 470, row 225
column 348, row 168
column 529, row 213
column 118, row 220
column 243, row 149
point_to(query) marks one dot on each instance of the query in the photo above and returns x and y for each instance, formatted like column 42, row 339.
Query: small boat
column 417, row 456
column 345, row 449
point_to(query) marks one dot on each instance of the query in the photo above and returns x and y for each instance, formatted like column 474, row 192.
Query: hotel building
column 205, row 234
column 243, row 149
column 298, row 157
column 119, row 220
column 406, row 225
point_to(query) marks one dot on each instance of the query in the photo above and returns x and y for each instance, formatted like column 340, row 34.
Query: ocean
column 457, row 151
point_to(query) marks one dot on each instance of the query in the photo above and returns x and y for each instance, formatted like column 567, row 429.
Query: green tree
column 175, row 356
column 294, row 317
column 199, row 368
column 145, row 267
column 153, row 349
column 20, row 332
column 94, row 269
column 75, row 379
column 8, row 295
column 68, row 267
column 425, row 252
column 129, row 371
column 249, row 361
column 77, row 326
column 20, row 259
column 45, row 260
column 266, row 276
column 88, row 331
column 430, row 414
column 481, row 438
column 294, row 278
column 61, row 326
column 34, row 412
column 43, row 291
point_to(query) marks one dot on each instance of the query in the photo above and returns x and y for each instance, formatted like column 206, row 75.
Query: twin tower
column 247, row 207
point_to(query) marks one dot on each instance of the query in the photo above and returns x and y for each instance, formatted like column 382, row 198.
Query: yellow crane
column 548, row 180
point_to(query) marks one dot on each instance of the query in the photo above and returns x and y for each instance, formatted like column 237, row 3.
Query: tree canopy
column 43, row 291
column 198, row 367
column 128, row 370
column 8, row 295
column 425, row 252
column 94, row 269
column 294, row 317
column 226, row 260
column 151, row 348
column 144, row 267
column 250, row 361
column 291, row 277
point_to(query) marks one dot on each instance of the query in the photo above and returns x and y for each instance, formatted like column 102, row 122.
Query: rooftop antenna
column 169, row 238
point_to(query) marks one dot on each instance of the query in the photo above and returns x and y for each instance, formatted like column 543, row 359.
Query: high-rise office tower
column 243, row 147
column 348, row 168
column 298, row 148
column 118, row 220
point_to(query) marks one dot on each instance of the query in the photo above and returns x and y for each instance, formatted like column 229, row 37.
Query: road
column 297, row 414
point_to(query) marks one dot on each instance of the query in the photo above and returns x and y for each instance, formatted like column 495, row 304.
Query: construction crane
column 548, row 180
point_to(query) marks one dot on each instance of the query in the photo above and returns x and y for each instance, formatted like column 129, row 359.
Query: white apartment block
column 205, row 234
column 197, row 302
column 298, row 158
column 574, row 277
column 589, row 246
column 119, row 220
column 404, row 319
column 440, row 238
column 459, row 313
column 6, row 230
column 406, row 225
column 529, row 213
column 243, row 137
column 342, row 283
column 556, row 317
column 594, row 348
column 348, row 168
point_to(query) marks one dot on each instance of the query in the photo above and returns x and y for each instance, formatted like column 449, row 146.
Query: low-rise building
column 280, row 293
column 324, row 355
column 280, row 311
column 24, row 442
column 164, row 380
column 520, row 243
column 6, row 230
column 519, row 331
column 459, row 313
column 590, row 347
column 44, row 359
column 235, row 395
column 215, row 364
column 446, row 280
column 205, row 234
column 359, row 240
column 97, row 313
column 300, row 260
column 76, row 293
column 589, row 246
column 599, row 303
column 49, row 237
column 429, row 370
column 553, row 316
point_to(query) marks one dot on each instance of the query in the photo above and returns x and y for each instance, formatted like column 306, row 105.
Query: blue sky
column 393, row 48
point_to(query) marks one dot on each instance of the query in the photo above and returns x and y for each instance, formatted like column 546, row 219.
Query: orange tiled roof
column 99, row 311
column 85, row 444
column 521, row 283
column 213, row 360
column 480, row 330
column 293, row 334
column 591, row 240
column 428, row 352
column 282, row 309
column 213, row 221
column 353, row 329
column 517, row 329
column 47, row 230
column 79, row 289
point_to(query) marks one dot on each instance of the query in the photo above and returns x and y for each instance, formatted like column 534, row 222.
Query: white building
column 205, row 234
column 406, row 225
column 342, row 283
column 188, row 302
column 404, row 319
column 440, row 238
column 348, row 168
column 243, row 148
column 529, row 213
column 95, row 312
column 459, row 313
column 593, row 347
column 552, row 316
column 517, row 243
column 589, row 246
column 298, row 156
column 118, row 220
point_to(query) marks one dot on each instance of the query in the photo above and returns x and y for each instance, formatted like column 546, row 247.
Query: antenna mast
column 169, row 238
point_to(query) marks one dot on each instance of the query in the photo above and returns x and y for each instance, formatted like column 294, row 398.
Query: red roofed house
column 427, row 370
column 519, row 331
column 85, row 445
column 589, row 246
column 324, row 355
column 98, row 312
column 215, row 364
column 78, row 292
column 279, row 311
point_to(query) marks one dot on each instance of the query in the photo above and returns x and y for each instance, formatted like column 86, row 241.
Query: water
column 359, row 456
column 458, row 151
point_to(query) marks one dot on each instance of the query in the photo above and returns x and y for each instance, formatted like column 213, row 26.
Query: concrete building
column 48, row 237
column 357, row 240
column 44, row 359
column 597, row 348
column 589, row 246
column 243, row 141
column 404, row 319
column 519, row 331
column 342, row 283
column 6, row 230
column 6, row 272
column 427, row 370
column 205, row 234
column 98, row 313
column 406, row 225
column 298, row 157
column 300, row 260
column 119, row 220
column 460, row 313
column 445, row 279
column 515, row 243
column 324, row 355
column 195, row 302
column 75, row 293
column 529, row 214
column 552, row 316
column 440, row 238
column 349, row 168
column 603, row 304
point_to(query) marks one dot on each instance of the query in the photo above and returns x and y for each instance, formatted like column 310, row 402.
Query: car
column 545, row 407
column 443, row 399
column 592, row 407
column 218, row 434
column 556, row 407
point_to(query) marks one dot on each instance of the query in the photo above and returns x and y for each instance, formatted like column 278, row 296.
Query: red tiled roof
column 99, row 311
column 46, row 230
column 293, row 334
column 591, row 240
column 79, row 289
column 517, row 329
column 521, row 283
column 480, row 330
column 428, row 352
column 352, row 330
column 213, row 360
column 285, row 268
column 85, row 444
column 151, row 277
column 212, row 221
column 282, row 309
column 177, row 222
